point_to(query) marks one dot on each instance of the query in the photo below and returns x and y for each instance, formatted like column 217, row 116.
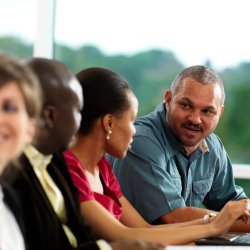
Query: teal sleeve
column 144, row 178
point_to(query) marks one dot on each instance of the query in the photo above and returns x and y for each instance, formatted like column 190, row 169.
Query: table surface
column 195, row 247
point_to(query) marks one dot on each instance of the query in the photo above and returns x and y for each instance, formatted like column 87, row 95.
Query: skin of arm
column 131, row 218
column 106, row 226
column 185, row 214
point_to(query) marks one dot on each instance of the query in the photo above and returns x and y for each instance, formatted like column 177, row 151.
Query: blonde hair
column 12, row 69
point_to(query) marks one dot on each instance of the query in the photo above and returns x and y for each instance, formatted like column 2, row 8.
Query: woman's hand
column 231, row 212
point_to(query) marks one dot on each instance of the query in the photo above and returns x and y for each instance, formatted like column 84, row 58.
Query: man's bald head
column 53, row 76
column 62, row 103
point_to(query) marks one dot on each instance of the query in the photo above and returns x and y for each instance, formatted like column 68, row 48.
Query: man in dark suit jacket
column 60, row 119
column 43, row 228
column 62, row 99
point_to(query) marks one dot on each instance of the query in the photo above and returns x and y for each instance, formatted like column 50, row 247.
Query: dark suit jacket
column 43, row 229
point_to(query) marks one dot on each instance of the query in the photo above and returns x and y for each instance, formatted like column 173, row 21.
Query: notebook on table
column 237, row 239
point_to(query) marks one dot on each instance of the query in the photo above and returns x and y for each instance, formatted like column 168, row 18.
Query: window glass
column 18, row 27
column 148, row 42
column 195, row 31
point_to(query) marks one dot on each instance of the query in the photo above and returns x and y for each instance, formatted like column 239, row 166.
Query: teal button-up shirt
column 157, row 176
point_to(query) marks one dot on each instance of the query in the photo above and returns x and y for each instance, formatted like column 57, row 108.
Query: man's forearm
column 184, row 214
column 240, row 226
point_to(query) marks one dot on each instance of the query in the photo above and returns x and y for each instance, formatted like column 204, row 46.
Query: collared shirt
column 157, row 176
column 10, row 234
column 40, row 163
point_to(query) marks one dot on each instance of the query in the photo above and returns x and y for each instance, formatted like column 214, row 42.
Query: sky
column 194, row 30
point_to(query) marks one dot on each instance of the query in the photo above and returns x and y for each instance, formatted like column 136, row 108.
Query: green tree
column 150, row 73
column 15, row 47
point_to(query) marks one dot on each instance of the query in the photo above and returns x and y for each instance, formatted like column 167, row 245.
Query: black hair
column 105, row 92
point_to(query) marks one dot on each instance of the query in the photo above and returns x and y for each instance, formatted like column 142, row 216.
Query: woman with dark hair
column 110, row 108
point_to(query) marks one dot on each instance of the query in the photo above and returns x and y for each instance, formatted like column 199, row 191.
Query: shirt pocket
column 200, row 190
column 177, row 183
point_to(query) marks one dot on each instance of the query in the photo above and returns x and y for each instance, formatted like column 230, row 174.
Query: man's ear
column 168, row 97
column 222, row 110
column 49, row 116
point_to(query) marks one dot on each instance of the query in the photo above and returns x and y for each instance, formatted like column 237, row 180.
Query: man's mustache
column 192, row 127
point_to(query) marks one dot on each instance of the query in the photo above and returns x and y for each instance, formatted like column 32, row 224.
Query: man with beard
column 176, row 163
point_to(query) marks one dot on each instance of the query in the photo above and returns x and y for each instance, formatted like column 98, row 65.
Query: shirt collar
column 37, row 159
column 203, row 146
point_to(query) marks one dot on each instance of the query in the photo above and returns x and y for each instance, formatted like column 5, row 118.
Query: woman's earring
column 108, row 134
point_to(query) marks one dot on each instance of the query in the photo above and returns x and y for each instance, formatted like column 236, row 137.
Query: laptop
column 227, row 239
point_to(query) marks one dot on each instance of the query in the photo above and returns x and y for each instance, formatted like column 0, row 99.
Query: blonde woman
column 19, row 107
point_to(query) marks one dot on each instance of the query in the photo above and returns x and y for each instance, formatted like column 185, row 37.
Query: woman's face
column 16, row 128
column 123, row 130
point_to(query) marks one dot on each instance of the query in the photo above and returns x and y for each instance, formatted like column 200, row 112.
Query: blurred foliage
column 150, row 73
column 245, row 184
column 16, row 47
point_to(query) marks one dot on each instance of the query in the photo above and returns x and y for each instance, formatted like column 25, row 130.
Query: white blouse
column 10, row 234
